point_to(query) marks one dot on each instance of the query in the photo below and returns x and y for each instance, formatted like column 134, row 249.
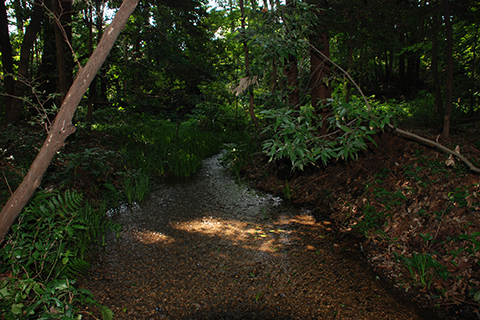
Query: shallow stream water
column 208, row 248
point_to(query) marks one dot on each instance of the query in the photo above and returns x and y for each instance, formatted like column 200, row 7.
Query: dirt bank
column 416, row 219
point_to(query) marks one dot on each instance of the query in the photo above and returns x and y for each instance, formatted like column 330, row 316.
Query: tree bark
column 319, row 67
column 63, row 36
column 47, row 73
column 247, row 69
column 13, row 114
column 62, row 126
column 7, row 57
column 449, row 59
column 436, row 77
column 291, row 69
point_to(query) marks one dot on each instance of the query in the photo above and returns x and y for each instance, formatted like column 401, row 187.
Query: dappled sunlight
column 248, row 235
column 150, row 237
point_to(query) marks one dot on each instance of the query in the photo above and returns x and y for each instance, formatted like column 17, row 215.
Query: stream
column 206, row 247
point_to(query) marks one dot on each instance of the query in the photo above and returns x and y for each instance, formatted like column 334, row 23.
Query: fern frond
column 77, row 267
column 107, row 314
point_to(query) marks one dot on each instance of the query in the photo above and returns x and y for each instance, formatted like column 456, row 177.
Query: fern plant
column 45, row 252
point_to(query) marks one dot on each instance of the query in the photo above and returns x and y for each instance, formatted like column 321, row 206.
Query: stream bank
column 414, row 210
column 206, row 247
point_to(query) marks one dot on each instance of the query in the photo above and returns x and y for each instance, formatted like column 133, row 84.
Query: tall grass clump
column 161, row 146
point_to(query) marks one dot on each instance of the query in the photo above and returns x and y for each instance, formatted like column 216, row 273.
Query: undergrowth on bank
column 431, row 237
column 45, row 252
column 102, row 166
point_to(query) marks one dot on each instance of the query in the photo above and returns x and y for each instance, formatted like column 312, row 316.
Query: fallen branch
column 436, row 145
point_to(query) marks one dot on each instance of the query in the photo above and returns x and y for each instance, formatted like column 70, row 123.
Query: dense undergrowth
column 102, row 166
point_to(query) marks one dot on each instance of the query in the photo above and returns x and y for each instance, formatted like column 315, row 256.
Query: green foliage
column 44, row 253
column 372, row 219
column 295, row 134
column 158, row 146
column 423, row 268
column 135, row 185
column 97, row 162
column 18, row 149
column 459, row 197
column 239, row 154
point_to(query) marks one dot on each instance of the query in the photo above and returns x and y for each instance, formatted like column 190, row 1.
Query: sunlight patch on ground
column 149, row 237
column 257, row 236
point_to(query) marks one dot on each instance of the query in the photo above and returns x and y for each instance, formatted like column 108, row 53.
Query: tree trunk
column 291, row 71
column 291, row 67
column 247, row 69
column 63, row 36
column 401, row 65
column 319, row 68
column 13, row 114
column 7, row 57
column 62, row 127
column 449, row 59
column 437, row 102
column 19, row 17
column 101, row 76
column 92, row 92
column 47, row 73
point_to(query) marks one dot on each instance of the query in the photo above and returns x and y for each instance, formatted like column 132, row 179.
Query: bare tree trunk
column 247, row 70
column 63, row 35
column 436, row 77
column 291, row 70
column 449, row 58
column 13, row 114
column 62, row 126
column 7, row 57
column 320, row 69
column 92, row 91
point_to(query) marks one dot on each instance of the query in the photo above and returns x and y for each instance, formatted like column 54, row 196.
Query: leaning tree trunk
column 62, row 126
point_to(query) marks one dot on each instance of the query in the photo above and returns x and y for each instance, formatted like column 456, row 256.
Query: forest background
column 307, row 83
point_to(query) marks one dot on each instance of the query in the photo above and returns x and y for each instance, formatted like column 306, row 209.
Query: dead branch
column 436, row 145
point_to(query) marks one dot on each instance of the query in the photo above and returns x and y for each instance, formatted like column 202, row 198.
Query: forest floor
column 207, row 247
column 415, row 219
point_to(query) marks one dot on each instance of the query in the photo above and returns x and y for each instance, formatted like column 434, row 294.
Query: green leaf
column 344, row 128
column 17, row 308
column 4, row 292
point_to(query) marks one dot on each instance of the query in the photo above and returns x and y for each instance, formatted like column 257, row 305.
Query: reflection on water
column 206, row 247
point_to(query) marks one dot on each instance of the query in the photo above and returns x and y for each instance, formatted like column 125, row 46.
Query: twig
column 440, row 222
column 6, row 181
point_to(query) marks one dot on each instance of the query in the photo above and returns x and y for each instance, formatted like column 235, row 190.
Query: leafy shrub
column 295, row 134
